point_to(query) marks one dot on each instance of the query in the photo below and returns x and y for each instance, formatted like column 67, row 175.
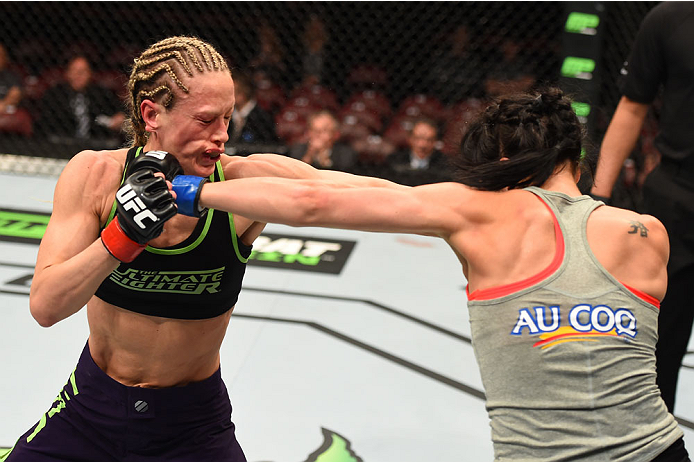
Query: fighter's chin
column 199, row 170
column 205, row 165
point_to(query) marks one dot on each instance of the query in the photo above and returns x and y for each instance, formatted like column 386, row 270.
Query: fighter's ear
column 150, row 114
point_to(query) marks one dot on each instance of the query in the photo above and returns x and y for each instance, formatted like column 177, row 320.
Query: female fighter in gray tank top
column 569, row 354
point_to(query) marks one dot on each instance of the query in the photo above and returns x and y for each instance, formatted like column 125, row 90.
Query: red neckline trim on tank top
column 507, row 289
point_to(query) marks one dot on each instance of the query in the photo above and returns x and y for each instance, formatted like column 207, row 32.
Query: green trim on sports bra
column 191, row 246
column 234, row 238
column 113, row 207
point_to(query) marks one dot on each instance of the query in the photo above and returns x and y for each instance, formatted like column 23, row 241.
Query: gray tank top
column 567, row 357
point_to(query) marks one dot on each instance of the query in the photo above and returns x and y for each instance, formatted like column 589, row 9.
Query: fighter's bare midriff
column 147, row 351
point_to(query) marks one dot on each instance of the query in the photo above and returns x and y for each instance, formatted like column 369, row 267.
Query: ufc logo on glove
column 129, row 200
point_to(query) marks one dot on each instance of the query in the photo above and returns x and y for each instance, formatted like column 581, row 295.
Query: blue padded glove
column 187, row 188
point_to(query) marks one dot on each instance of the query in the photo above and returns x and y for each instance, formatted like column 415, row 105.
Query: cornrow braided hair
column 535, row 132
column 158, row 71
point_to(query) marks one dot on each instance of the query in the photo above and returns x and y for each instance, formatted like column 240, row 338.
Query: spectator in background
column 421, row 163
column 249, row 122
column 10, row 84
column 315, row 40
column 79, row 108
column 511, row 73
column 456, row 73
column 322, row 149
column 269, row 62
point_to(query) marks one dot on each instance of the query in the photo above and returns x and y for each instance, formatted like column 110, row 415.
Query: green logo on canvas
column 22, row 225
column 335, row 448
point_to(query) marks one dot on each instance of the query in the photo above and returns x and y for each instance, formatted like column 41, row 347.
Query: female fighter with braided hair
column 159, row 287
column 563, row 292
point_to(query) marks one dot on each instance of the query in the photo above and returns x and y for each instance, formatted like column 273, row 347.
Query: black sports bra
column 199, row 278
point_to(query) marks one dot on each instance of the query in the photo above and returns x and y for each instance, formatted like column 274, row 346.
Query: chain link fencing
column 377, row 66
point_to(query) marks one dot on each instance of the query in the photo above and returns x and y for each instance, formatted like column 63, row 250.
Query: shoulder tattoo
column 638, row 227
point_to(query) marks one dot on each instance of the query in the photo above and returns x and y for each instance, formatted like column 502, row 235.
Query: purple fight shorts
column 95, row 418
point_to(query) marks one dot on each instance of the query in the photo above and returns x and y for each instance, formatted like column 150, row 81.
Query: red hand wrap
column 119, row 244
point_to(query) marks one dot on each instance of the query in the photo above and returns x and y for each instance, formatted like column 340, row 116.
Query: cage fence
column 377, row 66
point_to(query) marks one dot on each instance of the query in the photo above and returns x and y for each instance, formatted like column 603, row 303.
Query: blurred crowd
column 304, row 107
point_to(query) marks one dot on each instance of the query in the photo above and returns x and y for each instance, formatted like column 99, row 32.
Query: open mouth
column 212, row 155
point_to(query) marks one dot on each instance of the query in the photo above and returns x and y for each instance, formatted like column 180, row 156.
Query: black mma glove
column 143, row 205
column 159, row 161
